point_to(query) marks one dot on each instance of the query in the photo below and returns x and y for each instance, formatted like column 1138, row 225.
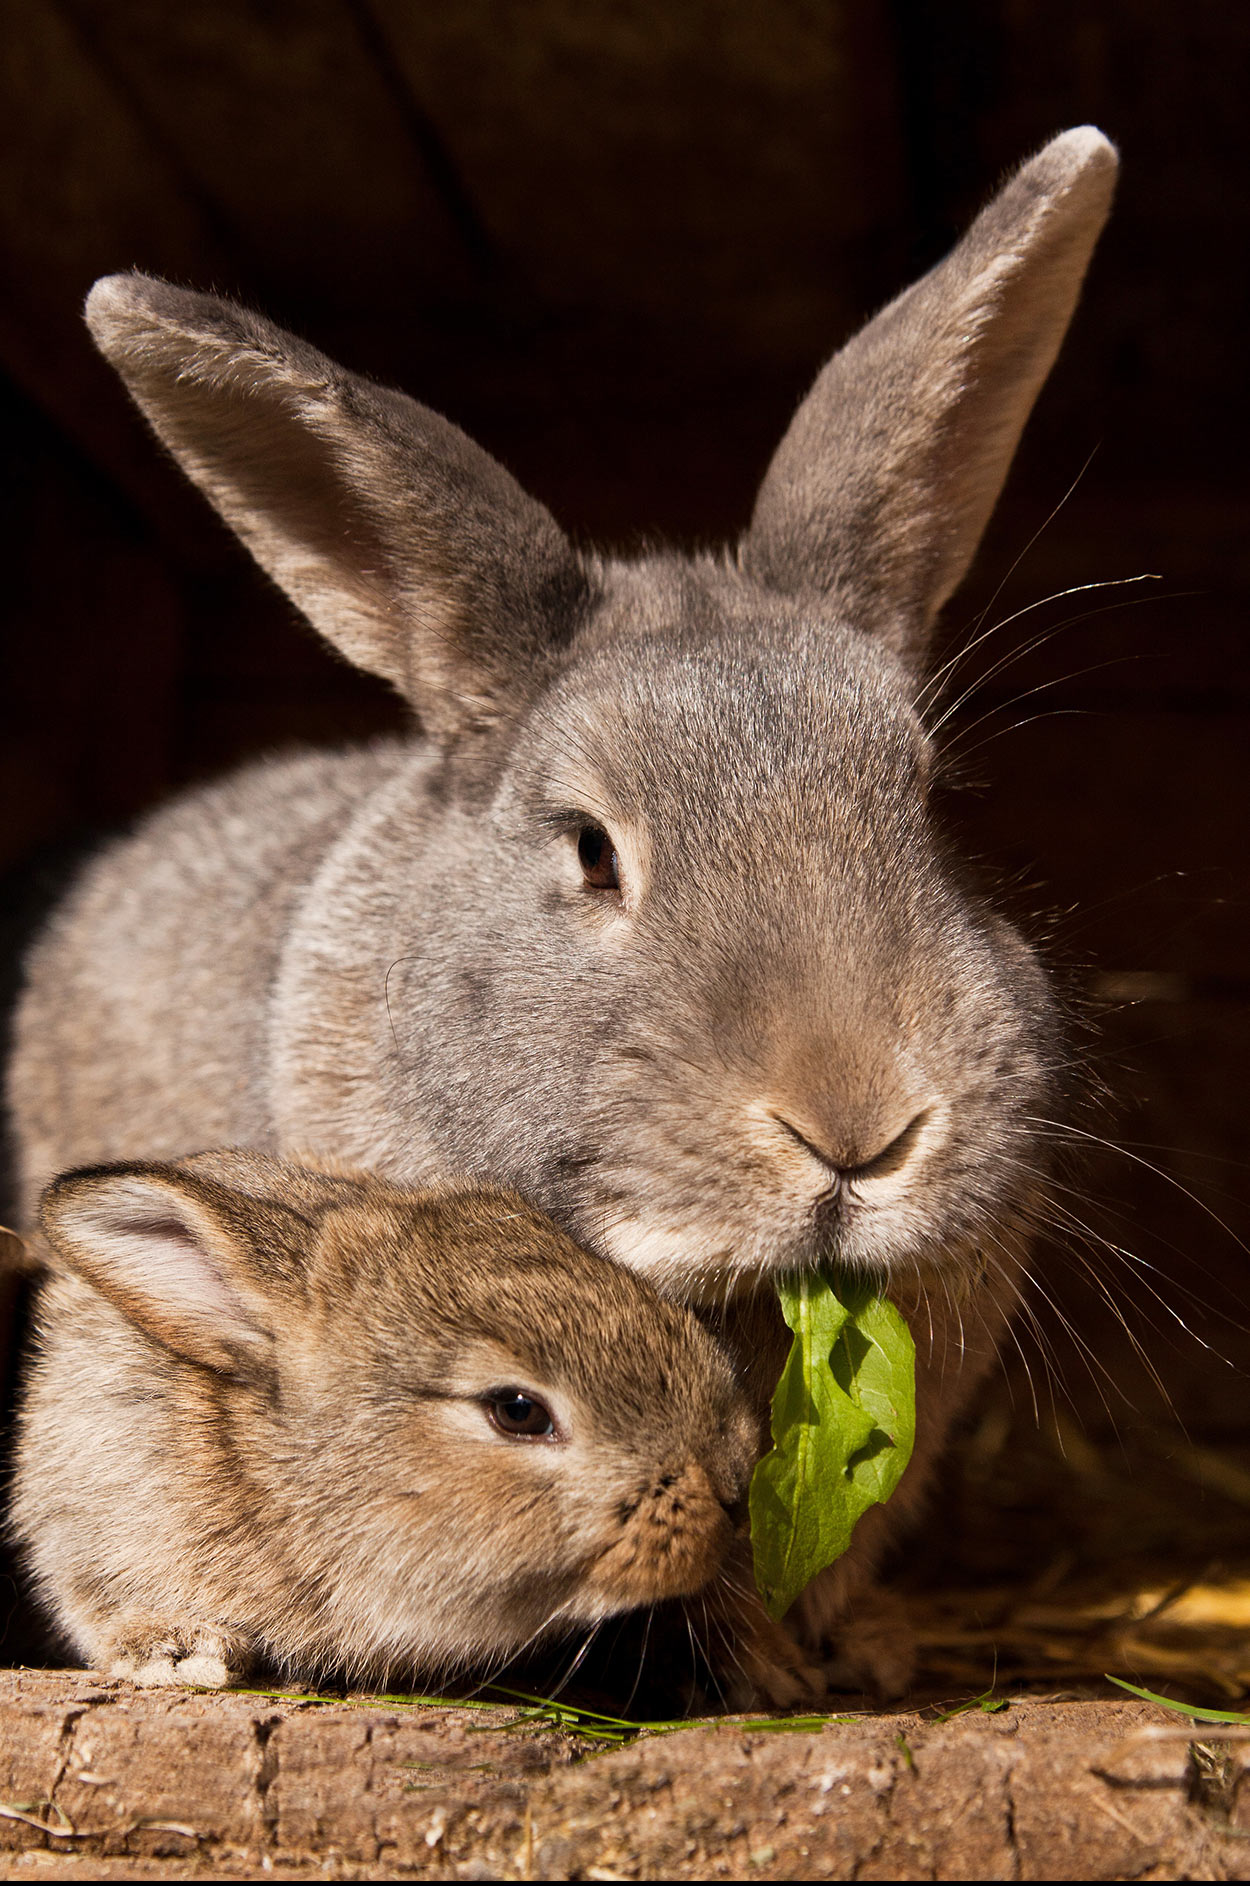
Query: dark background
column 614, row 239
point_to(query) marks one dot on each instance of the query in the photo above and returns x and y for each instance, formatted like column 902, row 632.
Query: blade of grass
column 589, row 1721
column 382, row 1700
column 1191, row 1710
column 987, row 1702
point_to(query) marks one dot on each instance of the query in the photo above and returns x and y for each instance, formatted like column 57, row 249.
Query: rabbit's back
column 143, row 1025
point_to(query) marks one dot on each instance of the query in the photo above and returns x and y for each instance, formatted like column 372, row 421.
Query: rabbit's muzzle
column 673, row 1537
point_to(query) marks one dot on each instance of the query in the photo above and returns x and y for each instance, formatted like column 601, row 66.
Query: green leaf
column 843, row 1426
column 1182, row 1709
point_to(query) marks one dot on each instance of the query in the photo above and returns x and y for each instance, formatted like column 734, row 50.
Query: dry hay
column 1061, row 1558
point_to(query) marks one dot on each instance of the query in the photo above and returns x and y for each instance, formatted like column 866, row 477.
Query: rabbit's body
column 652, row 921
column 265, row 1424
column 150, row 998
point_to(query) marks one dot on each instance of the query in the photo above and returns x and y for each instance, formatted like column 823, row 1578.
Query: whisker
column 1096, row 1369
column 1010, row 655
column 642, row 1658
column 1103, row 1289
column 1028, row 1373
column 694, row 1664
column 1066, row 1127
column 948, row 666
column 958, row 751
column 1140, row 1263
column 578, row 1660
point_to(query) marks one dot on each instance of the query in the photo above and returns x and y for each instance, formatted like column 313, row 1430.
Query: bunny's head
column 672, row 940
column 397, row 1429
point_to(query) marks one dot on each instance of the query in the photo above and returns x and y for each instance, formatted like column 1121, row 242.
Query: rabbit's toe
column 203, row 1671
column 778, row 1680
column 153, row 1673
column 768, row 1669
column 874, row 1650
column 160, row 1655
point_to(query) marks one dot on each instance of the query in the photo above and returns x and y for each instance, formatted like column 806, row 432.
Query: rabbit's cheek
column 668, row 1255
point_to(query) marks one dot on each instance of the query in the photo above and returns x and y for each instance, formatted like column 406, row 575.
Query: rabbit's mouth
column 675, row 1536
column 706, row 1274
column 894, row 1243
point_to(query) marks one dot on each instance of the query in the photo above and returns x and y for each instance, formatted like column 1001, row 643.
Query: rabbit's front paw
column 757, row 1663
column 156, row 1652
column 772, row 1671
column 872, row 1648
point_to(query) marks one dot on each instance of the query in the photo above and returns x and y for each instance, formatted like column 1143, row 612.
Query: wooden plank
column 150, row 1784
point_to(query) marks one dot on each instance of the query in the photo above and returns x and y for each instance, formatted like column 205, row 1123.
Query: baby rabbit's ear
column 881, row 488
column 15, row 1254
column 162, row 1248
column 404, row 543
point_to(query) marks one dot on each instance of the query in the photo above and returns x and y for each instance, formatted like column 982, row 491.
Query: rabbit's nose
column 856, row 1156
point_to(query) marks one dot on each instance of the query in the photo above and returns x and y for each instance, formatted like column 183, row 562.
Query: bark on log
column 102, row 1781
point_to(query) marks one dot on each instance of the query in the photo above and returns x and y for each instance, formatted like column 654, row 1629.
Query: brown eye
column 598, row 859
column 519, row 1416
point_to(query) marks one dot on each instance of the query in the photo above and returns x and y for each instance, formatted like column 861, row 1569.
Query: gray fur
column 880, row 491
column 392, row 957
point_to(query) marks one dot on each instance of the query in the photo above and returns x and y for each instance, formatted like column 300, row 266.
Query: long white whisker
column 1097, row 1139
column 1012, row 655
column 948, row 666
column 959, row 751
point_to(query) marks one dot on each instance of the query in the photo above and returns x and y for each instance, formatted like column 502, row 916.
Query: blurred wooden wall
column 614, row 239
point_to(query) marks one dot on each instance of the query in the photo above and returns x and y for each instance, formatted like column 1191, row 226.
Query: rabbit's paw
column 773, row 1672
column 872, row 1648
column 155, row 1652
column 758, row 1664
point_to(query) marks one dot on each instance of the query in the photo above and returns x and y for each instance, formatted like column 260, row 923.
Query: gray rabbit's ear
column 170, row 1253
column 411, row 550
column 883, row 484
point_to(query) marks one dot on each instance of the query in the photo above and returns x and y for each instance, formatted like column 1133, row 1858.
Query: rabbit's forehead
column 817, row 723
column 631, row 1371
column 541, row 1304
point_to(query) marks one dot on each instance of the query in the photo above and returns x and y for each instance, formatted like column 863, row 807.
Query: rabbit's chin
column 712, row 1273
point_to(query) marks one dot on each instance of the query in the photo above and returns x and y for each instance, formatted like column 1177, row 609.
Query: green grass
column 1192, row 1710
column 536, row 1713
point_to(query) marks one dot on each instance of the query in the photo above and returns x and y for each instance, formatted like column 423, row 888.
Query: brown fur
column 255, row 1426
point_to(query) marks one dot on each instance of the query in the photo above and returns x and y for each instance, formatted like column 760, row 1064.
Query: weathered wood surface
column 185, row 1785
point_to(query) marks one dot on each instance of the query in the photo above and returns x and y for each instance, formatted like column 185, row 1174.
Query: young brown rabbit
column 310, row 1418
column 651, row 918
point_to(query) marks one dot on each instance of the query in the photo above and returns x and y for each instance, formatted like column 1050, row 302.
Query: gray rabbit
column 649, row 919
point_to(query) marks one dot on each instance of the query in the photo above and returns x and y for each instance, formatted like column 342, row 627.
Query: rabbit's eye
column 519, row 1416
column 597, row 858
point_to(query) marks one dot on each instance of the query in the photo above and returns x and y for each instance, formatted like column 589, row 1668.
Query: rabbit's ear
column 413, row 551
column 883, row 484
column 171, row 1253
column 15, row 1254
